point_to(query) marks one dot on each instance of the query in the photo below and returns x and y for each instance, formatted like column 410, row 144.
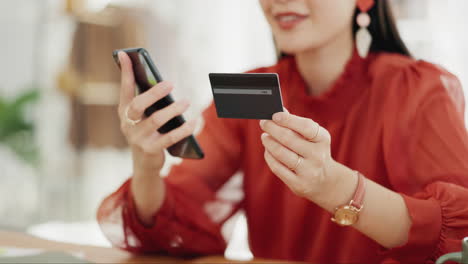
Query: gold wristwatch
column 348, row 214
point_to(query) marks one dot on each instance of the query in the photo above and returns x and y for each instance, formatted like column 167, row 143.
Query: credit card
column 246, row 95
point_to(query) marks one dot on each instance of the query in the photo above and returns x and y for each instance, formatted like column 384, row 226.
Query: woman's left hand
column 297, row 150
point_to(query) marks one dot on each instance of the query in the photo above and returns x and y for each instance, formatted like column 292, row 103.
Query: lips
column 289, row 20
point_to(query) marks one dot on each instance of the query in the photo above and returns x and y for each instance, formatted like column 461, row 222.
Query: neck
column 320, row 67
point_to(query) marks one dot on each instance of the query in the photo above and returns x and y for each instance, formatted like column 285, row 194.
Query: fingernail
column 277, row 117
column 264, row 135
column 119, row 55
column 262, row 122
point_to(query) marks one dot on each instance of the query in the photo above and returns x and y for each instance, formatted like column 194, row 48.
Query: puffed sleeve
column 426, row 152
column 189, row 221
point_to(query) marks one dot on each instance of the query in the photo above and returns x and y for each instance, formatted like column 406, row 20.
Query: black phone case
column 187, row 148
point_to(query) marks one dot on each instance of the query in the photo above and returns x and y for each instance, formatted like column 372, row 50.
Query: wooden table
column 101, row 254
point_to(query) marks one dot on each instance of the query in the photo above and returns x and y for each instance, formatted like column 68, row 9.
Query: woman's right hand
column 146, row 143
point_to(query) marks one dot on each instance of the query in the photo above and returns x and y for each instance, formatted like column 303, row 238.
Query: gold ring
column 129, row 120
column 316, row 133
column 299, row 161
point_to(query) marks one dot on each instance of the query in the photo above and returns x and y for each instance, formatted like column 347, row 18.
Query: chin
column 293, row 47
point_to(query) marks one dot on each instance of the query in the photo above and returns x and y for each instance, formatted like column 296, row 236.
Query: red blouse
column 396, row 120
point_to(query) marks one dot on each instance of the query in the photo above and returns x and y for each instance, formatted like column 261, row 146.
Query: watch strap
column 358, row 198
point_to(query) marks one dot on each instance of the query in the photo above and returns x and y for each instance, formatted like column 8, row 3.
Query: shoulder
column 399, row 67
column 413, row 81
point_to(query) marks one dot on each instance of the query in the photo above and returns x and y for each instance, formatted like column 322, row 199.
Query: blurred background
column 61, row 151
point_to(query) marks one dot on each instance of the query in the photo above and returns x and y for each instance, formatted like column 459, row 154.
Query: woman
column 374, row 140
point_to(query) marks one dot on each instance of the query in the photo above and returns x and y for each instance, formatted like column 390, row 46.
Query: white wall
column 440, row 36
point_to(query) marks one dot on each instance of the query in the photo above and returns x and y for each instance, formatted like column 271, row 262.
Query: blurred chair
column 91, row 78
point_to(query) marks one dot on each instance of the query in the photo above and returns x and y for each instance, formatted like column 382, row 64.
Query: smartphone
column 147, row 76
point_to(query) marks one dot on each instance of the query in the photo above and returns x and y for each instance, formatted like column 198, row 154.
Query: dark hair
column 385, row 35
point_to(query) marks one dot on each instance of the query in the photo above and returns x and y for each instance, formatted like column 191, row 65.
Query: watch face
column 346, row 216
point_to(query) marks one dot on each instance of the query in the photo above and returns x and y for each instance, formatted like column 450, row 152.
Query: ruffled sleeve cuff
column 424, row 234
column 170, row 234
column 439, row 222
column 136, row 231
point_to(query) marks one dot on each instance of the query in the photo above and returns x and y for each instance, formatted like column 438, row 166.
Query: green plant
column 16, row 129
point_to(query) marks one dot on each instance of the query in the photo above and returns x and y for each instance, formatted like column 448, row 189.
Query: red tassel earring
column 363, row 36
